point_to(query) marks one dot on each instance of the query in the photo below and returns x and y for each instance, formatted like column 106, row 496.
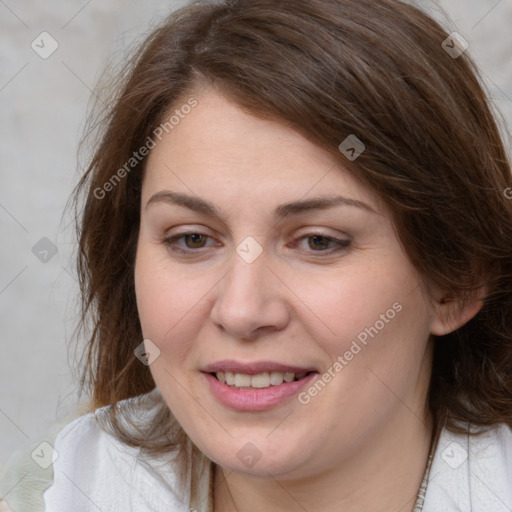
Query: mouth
column 258, row 381
column 257, row 375
column 257, row 386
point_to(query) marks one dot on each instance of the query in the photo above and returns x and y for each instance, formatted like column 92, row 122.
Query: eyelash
column 339, row 244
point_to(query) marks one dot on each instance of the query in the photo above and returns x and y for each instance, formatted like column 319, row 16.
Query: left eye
column 322, row 243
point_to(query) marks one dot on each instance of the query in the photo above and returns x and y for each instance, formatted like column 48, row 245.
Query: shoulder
column 89, row 469
column 93, row 471
column 472, row 472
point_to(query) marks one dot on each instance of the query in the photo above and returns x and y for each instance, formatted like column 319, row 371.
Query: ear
column 451, row 312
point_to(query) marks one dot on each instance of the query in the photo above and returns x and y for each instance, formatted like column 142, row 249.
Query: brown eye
column 322, row 244
column 318, row 242
column 188, row 243
column 194, row 240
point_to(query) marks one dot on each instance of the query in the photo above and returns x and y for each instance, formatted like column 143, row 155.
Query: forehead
column 218, row 148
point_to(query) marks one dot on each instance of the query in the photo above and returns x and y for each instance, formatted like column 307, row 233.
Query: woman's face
column 262, row 261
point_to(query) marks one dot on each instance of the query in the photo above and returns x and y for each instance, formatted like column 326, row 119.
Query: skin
column 363, row 441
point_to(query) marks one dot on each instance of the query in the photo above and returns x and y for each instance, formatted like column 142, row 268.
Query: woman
column 296, row 253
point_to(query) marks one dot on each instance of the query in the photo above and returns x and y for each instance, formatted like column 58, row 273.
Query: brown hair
column 329, row 69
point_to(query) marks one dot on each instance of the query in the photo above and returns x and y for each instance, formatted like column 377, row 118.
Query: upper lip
column 254, row 368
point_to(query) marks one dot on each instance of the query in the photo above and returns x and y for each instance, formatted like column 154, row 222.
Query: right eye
column 192, row 241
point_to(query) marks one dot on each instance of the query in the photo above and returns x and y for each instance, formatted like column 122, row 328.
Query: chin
column 256, row 456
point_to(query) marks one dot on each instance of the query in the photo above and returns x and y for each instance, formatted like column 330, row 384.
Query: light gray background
column 43, row 105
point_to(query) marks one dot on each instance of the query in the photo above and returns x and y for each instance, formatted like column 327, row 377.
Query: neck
column 385, row 475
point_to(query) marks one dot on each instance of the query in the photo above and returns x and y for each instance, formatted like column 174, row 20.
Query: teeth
column 242, row 380
column 289, row 377
column 276, row 378
column 261, row 380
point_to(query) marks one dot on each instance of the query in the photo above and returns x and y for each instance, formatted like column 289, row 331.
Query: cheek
column 352, row 306
column 170, row 301
column 372, row 323
column 161, row 300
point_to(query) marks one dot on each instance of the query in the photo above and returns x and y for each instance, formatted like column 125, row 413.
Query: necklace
column 420, row 498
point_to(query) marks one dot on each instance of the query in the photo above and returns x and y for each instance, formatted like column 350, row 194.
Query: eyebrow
column 207, row 208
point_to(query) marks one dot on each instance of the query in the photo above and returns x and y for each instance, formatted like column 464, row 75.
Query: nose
column 250, row 301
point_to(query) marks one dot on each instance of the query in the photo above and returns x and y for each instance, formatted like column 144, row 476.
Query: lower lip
column 255, row 399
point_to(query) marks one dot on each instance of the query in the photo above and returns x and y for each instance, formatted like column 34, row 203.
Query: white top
column 94, row 472
column 471, row 474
